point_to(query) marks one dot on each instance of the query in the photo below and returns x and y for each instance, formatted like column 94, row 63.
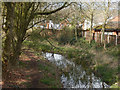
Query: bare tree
column 106, row 13
column 89, row 10
column 17, row 18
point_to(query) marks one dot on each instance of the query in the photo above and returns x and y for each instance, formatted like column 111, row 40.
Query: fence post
column 101, row 37
column 96, row 36
column 108, row 38
column 82, row 33
column 93, row 36
column 85, row 34
column 116, row 38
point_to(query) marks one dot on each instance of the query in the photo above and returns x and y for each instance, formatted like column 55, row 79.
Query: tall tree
column 106, row 11
column 17, row 18
column 89, row 9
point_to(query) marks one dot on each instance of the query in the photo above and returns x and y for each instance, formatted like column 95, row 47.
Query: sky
column 56, row 0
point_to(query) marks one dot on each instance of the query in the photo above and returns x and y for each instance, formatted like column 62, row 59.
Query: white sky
column 57, row 0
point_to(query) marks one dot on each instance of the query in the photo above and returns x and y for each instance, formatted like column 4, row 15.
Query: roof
column 115, row 19
column 113, row 24
column 108, row 30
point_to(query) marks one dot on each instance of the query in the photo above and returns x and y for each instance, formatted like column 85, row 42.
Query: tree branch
column 47, row 13
column 52, row 44
column 35, row 24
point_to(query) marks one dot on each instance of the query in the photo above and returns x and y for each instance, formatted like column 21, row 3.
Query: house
column 112, row 27
column 65, row 23
column 85, row 28
column 86, row 25
column 57, row 26
column 49, row 24
column 112, row 31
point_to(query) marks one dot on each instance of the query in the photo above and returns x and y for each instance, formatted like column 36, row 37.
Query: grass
column 115, row 86
column 49, row 73
column 22, row 64
column 51, row 82
column 44, row 67
column 107, row 74
column 26, row 84
column 48, row 81
column 80, row 53
column 50, row 78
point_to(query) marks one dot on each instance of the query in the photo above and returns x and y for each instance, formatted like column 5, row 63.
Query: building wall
column 118, row 33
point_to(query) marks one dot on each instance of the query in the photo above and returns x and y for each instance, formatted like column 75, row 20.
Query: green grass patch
column 115, row 86
column 48, row 81
column 22, row 64
column 37, row 46
column 107, row 74
column 44, row 67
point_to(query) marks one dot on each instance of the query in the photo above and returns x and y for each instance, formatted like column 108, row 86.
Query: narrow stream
column 74, row 76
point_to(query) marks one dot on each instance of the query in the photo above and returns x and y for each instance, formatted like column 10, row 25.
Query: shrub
column 66, row 37
column 36, row 36
column 82, row 43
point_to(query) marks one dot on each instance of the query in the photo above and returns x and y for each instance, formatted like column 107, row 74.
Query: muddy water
column 74, row 76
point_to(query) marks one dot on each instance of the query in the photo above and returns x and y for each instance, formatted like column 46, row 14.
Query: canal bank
column 101, row 64
column 74, row 76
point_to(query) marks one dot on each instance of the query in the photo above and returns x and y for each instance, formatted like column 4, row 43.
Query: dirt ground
column 29, row 74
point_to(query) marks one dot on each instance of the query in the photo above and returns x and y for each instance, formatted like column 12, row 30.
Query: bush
column 36, row 36
column 67, row 37
column 82, row 43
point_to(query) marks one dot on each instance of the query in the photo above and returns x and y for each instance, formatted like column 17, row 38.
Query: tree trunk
column 11, row 47
column 18, row 16
column 103, row 36
column 76, row 34
column 16, row 53
column 91, row 28
column 7, row 48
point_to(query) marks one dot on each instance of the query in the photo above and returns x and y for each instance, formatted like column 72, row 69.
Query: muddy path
column 30, row 73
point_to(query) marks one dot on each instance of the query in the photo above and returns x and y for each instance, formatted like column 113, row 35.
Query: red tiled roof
column 115, row 19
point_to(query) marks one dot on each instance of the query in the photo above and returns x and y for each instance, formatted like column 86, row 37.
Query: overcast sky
column 56, row 0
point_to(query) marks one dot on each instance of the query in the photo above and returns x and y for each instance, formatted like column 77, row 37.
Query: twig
column 52, row 44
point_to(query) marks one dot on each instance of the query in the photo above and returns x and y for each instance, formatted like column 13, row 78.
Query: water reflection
column 74, row 76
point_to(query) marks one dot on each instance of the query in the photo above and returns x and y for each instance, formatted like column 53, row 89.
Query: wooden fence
column 113, row 39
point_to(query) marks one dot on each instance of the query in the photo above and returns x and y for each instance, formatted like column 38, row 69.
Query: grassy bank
column 104, row 63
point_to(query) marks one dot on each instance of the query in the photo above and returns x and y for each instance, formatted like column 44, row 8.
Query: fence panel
column 118, row 39
column 112, row 39
column 97, row 37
